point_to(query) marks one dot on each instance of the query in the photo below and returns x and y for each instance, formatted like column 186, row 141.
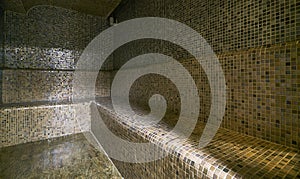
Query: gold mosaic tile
column 257, row 43
column 228, row 155
column 33, row 123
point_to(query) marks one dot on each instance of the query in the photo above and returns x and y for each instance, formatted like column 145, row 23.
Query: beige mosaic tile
column 257, row 43
column 228, row 155
column 33, row 123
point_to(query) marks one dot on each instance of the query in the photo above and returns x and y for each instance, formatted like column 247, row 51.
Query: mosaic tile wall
column 51, row 27
column 257, row 43
column 226, row 25
column 36, row 85
column 103, row 84
column 1, row 36
column 1, row 48
column 33, row 123
column 41, row 49
column 31, row 86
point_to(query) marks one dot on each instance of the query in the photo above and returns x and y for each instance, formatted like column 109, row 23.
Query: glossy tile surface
column 257, row 45
column 65, row 157
column 228, row 155
column 21, row 124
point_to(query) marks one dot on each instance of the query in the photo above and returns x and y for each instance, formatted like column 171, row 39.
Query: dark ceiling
column 101, row 8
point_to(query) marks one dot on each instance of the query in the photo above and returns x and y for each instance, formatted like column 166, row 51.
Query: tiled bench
column 228, row 155
column 31, row 122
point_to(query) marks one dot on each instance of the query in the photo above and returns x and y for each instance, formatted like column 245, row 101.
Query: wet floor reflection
column 65, row 157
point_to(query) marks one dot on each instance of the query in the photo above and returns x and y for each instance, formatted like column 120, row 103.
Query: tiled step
column 228, row 155
column 22, row 124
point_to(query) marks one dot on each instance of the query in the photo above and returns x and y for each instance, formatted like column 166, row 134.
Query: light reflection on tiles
column 64, row 157
column 228, row 155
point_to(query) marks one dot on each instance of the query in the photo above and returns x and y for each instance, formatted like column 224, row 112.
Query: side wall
column 257, row 43
column 41, row 49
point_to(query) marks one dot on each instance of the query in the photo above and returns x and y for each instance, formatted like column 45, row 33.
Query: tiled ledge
column 32, row 86
column 228, row 155
column 44, row 103
column 27, row 124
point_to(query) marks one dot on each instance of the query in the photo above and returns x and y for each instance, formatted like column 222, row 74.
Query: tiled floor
column 65, row 157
